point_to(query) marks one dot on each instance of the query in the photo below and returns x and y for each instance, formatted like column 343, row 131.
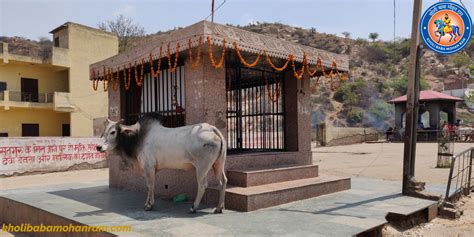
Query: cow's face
column 109, row 136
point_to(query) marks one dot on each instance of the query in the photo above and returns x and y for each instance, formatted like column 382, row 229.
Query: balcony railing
column 31, row 97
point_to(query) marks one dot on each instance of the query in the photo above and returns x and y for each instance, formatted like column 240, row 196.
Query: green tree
column 373, row 36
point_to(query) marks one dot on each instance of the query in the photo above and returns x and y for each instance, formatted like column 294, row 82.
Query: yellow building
column 50, row 94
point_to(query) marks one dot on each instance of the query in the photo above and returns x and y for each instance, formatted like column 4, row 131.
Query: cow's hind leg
column 202, row 186
column 219, row 172
column 150, row 183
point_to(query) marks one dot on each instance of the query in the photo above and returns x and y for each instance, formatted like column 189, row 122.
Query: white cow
column 156, row 147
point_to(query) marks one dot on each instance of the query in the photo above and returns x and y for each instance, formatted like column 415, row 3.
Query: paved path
column 341, row 214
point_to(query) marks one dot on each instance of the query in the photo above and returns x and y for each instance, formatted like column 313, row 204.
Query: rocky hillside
column 26, row 47
column 378, row 72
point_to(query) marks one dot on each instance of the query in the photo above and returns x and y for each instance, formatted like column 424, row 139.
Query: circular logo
column 446, row 27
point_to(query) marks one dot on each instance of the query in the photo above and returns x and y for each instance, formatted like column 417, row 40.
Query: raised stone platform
column 252, row 189
column 347, row 213
column 254, row 177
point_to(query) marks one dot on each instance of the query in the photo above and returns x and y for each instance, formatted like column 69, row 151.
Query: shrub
column 381, row 109
column 354, row 116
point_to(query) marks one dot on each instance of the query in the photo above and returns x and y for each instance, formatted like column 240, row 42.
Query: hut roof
column 428, row 95
column 247, row 41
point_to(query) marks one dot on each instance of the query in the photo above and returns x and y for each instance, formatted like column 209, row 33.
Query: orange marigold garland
column 313, row 73
column 127, row 80
column 172, row 68
column 198, row 53
column 95, row 81
column 295, row 72
column 211, row 56
column 279, row 69
column 139, row 78
column 275, row 96
column 237, row 50
column 114, row 79
column 155, row 73
column 105, row 80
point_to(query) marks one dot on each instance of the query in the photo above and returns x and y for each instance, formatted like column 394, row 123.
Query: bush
column 354, row 116
column 376, row 53
column 400, row 85
column 381, row 110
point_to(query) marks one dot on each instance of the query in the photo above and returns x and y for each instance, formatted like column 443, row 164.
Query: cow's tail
column 223, row 149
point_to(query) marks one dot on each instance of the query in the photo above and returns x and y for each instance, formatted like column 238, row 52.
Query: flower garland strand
column 127, row 80
column 211, row 56
column 275, row 97
column 95, row 81
column 318, row 64
column 155, row 73
column 299, row 75
column 172, row 68
column 242, row 60
column 139, row 79
column 115, row 79
column 198, row 53
column 105, row 80
column 110, row 75
column 269, row 61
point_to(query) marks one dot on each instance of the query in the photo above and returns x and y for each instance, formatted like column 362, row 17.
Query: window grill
column 164, row 96
column 255, row 109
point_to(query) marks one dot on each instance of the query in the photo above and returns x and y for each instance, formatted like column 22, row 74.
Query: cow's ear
column 126, row 130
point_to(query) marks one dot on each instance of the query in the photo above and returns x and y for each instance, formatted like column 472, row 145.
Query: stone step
column 255, row 177
column 268, row 195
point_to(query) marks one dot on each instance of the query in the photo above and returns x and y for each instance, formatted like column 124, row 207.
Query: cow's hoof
column 218, row 211
column 192, row 210
column 148, row 207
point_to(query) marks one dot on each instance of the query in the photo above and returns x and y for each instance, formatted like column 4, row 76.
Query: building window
column 29, row 90
column 30, row 130
column 56, row 41
column 3, row 86
column 3, row 134
column 66, row 130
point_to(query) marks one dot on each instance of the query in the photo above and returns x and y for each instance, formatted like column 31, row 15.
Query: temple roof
column 247, row 41
column 428, row 95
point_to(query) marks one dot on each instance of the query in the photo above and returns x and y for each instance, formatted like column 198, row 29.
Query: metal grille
column 164, row 95
column 255, row 109
column 460, row 175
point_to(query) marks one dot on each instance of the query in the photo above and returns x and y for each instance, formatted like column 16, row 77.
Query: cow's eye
column 112, row 133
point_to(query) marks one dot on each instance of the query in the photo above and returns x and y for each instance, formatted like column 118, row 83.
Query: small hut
column 432, row 105
column 254, row 88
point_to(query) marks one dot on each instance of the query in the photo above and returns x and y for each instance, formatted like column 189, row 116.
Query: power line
column 215, row 10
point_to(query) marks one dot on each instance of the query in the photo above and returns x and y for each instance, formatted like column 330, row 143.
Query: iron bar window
column 255, row 109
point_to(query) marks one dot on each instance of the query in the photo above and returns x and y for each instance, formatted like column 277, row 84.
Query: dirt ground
column 382, row 161
column 385, row 161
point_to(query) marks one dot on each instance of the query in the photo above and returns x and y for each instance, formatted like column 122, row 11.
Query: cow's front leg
column 150, row 183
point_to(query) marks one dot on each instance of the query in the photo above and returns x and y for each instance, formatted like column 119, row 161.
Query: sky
column 35, row 18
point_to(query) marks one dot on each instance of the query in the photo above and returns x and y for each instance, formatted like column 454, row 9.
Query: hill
column 378, row 72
